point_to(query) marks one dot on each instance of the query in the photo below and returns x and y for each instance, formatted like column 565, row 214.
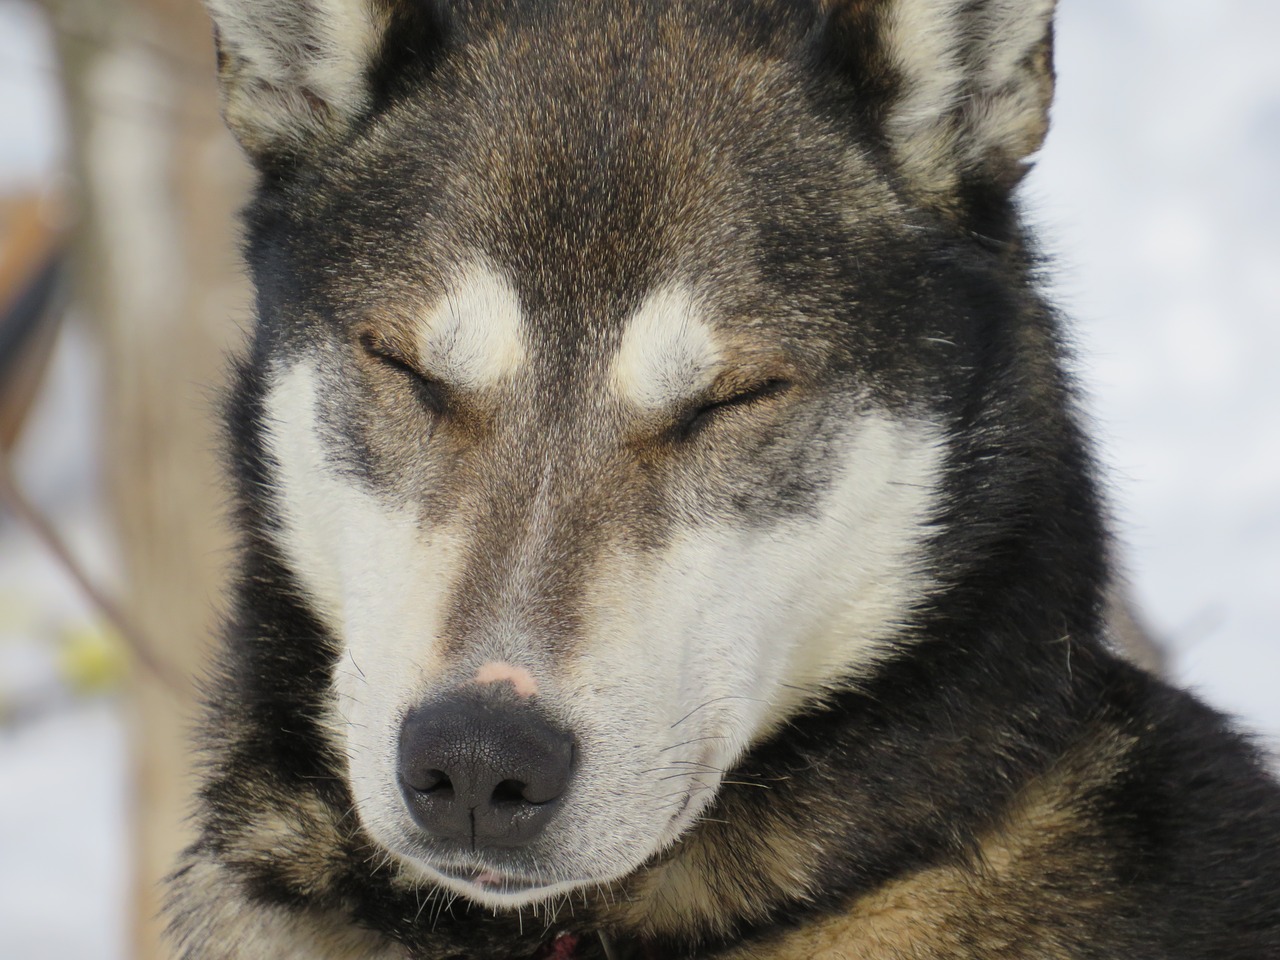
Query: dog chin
column 499, row 891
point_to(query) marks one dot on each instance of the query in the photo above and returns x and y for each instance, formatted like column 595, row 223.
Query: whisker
column 685, row 743
column 352, row 657
column 710, row 702
column 681, row 768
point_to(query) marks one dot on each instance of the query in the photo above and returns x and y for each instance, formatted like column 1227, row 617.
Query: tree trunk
column 158, row 181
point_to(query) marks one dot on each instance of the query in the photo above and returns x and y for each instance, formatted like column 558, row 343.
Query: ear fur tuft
column 295, row 73
column 960, row 89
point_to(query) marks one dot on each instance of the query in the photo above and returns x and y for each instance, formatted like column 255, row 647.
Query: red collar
column 563, row 947
column 570, row 946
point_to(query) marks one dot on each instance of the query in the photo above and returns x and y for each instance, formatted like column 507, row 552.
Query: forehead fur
column 593, row 154
column 594, row 189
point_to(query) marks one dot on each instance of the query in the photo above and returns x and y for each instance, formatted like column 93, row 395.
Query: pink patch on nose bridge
column 518, row 677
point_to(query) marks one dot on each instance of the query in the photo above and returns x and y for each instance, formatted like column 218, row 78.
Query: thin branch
column 141, row 648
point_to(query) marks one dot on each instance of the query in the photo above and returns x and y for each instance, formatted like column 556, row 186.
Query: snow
column 1159, row 192
column 62, row 814
column 30, row 137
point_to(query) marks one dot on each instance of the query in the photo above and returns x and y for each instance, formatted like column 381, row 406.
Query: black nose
column 483, row 768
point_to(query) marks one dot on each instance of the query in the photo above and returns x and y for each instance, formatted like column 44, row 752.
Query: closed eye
column 701, row 414
column 434, row 394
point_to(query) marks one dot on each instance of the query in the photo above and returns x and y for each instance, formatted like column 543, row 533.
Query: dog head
column 612, row 355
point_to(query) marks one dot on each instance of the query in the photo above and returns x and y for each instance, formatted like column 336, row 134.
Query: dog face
column 606, row 358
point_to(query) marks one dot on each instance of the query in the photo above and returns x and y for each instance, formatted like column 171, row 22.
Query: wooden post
column 158, row 180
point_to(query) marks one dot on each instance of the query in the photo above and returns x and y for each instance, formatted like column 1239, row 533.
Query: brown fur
column 1033, row 886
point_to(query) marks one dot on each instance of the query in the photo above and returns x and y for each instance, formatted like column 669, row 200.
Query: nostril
column 510, row 791
column 432, row 781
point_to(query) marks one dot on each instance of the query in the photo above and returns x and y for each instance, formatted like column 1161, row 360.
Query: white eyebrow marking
column 667, row 351
column 474, row 338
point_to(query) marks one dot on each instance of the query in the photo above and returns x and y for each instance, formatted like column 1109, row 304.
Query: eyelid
column 712, row 402
column 381, row 348
column 750, row 392
column 436, row 392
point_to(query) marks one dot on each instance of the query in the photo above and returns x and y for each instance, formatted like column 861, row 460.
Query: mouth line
column 492, row 881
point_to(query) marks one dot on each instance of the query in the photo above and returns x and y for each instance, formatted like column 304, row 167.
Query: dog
column 666, row 525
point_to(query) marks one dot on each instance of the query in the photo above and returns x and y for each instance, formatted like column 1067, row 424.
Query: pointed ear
column 297, row 74
column 959, row 89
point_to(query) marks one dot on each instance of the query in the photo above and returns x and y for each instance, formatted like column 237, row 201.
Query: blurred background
column 1158, row 193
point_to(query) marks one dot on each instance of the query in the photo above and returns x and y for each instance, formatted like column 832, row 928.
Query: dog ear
column 296, row 74
column 959, row 89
